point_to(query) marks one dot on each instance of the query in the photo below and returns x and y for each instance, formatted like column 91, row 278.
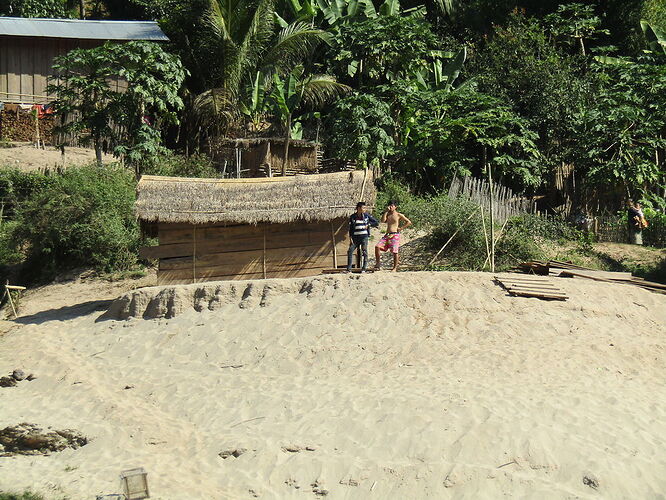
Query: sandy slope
column 27, row 157
column 408, row 385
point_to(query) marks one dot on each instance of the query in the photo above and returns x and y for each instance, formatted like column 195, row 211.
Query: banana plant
column 257, row 106
column 296, row 90
column 656, row 38
column 440, row 76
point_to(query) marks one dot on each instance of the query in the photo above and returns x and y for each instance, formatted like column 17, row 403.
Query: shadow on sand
column 64, row 313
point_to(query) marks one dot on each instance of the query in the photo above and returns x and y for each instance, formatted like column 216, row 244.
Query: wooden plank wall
column 190, row 254
column 26, row 63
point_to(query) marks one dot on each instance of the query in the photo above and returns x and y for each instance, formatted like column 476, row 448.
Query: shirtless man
column 391, row 240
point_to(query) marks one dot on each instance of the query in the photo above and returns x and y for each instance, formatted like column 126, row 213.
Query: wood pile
column 19, row 126
column 531, row 286
column 569, row 270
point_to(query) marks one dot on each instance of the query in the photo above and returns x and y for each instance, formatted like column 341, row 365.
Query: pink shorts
column 390, row 241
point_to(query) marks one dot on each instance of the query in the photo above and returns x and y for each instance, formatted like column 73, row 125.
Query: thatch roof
column 275, row 199
column 247, row 143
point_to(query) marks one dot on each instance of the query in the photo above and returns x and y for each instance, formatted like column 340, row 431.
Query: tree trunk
column 286, row 146
column 582, row 46
column 98, row 152
column 82, row 9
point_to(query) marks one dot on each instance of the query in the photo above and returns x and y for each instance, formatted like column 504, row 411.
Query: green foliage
column 521, row 66
column 126, row 121
column 383, row 49
column 574, row 23
column 175, row 165
column 360, row 129
column 621, row 132
column 523, row 237
column 9, row 254
column 35, row 8
column 446, row 132
column 82, row 217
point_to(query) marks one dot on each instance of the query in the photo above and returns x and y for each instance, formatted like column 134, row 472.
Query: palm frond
column 321, row 89
column 293, row 44
column 213, row 110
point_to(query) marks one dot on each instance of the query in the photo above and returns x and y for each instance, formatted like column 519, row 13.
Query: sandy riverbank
column 408, row 385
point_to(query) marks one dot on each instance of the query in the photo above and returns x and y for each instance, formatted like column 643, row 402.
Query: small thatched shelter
column 222, row 229
column 263, row 157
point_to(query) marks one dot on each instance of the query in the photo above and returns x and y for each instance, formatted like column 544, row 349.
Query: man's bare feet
column 376, row 268
column 394, row 270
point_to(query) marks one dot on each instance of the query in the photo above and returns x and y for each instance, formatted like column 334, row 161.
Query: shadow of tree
column 64, row 313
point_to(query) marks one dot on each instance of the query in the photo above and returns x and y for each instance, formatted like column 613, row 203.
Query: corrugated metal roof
column 76, row 28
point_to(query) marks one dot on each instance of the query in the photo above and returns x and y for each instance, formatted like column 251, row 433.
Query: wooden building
column 263, row 157
column 29, row 46
column 230, row 229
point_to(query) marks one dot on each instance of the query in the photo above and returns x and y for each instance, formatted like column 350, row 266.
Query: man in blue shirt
column 359, row 232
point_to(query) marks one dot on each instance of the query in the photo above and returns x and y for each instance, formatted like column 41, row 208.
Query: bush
column 81, row 217
column 444, row 216
column 174, row 165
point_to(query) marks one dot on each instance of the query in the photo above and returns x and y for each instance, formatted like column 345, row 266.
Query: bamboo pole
column 335, row 251
column 451, row 238
column 492, row 218
column 263, row 263
column 485, row 236
column 194, row 253
column 499, row 236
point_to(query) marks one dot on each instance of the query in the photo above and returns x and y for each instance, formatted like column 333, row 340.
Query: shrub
column 175, row 165
column 81, row 217
column 444, row 216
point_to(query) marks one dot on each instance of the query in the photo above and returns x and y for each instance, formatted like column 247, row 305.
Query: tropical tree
column 361, row 129
column 297, row 90
column 247, row 38
column 127, row 121
column 623, row 135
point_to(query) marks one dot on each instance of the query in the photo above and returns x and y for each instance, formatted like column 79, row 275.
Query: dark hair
column 392, row 202
column 360, row 204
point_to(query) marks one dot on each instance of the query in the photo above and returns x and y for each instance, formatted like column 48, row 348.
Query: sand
column 406, row 385
column 27, row 157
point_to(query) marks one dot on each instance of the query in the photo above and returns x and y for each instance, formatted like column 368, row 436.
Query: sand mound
column 408, row 385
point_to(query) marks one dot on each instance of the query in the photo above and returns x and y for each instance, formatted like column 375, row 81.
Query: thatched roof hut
column 250, row 228
column 263, row 156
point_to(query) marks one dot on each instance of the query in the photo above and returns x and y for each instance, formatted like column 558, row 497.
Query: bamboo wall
column 209, row 252
column 26, row 64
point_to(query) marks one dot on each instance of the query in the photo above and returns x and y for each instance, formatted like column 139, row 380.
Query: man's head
column 392, row 206
column 360, row 207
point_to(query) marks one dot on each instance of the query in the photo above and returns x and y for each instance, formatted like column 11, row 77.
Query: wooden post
column 335, row 250
column 37, row 136
column 492, row 217
column 194, row 253
column 485, row 236
column 263, row 259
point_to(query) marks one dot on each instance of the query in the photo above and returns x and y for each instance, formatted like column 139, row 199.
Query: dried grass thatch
column 250, row 201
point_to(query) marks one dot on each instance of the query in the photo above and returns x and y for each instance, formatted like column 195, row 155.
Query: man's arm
column 373, row 222
column 384, row 215
column 406, row 222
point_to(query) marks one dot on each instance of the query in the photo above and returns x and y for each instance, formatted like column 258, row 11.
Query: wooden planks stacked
column 189, row 253
column 528, row 286
column 569, row 270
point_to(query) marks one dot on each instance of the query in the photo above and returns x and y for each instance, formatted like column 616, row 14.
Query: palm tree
column 245, row 34
column 298, row 90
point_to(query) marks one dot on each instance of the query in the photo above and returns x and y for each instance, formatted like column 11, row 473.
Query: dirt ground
column 25, row 156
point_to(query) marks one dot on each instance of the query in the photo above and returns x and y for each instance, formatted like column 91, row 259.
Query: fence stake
column 485, row 235
column 449, row 240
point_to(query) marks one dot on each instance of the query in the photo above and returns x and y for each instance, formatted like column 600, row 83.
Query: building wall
column 26, row 64
column 189, row 253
